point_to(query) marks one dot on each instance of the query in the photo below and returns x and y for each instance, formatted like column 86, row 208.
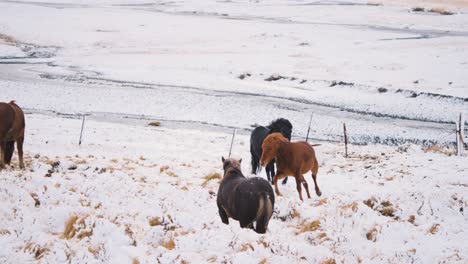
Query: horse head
column 270, row 147
column 231, row 163
column 281, row 125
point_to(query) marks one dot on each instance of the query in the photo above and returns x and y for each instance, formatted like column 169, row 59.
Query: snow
column 117, row 203
column 137, row 194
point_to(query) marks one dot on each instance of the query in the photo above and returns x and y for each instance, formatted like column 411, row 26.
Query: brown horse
column 11, row 129
column 292, row 159
column 244, row 199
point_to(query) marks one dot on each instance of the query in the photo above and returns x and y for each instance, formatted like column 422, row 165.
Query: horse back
column 295, row 157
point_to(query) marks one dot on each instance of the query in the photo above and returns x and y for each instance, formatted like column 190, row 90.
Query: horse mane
column 281, row 125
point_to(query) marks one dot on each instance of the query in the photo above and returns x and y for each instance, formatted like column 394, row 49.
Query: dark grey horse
column 279, row 125
column 247, row 200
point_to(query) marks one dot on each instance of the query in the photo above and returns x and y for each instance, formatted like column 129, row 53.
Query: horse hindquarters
column 264, row 212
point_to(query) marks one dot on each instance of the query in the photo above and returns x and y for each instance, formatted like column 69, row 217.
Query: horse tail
column 254, row 161
column 264, row 212
column 9, row 148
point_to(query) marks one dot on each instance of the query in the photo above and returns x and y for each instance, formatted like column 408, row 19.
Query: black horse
column 247, row 200
column 279, row 125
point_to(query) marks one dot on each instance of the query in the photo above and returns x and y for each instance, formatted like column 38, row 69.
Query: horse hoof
column 319, row 193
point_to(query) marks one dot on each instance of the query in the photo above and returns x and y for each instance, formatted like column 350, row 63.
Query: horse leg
column 285, row 181
column 223, row 215
column 275, row 182
column 19, row 146
column 306, row 186
column 298, row 186
column 270, row 171
column 314, row 170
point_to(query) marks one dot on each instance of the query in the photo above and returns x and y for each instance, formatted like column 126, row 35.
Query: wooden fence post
column 232, row 141
column 460, row 135
column 345, row 140
column 82, row 127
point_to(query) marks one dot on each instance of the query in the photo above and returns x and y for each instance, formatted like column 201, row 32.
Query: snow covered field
column 139, row 194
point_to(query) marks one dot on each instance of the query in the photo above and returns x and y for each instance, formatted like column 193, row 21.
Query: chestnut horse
column 11, row 129
column 247, row 200
column 292, row 159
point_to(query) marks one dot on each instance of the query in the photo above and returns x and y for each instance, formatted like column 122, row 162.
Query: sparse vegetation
column 328, row 261
column 76, row 226
column 438, row 149
column 411, row 219
column 371, row 235
column 306, row 226
column 36, row 250
column 210, row 177
column 169, row 244
column 155, row 221
column 434, row 229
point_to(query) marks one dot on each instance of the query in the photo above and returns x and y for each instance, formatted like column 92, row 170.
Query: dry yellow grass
column 95, row 249
column 263, row 261
column 371, row 235
column 4, row 232
column 210, row 177
column 434, row 229
column 36, row 250
column 246, row 246
column 353, row 206
column 155, row 221
column 412, row 219
column 163, row 168
column 212, row 259
column 371, row 202
column 438, row 149
column 135, row 261
column 169, row 244
column 70, row 230
column 262, row 242
column 441, row 11
column 37, row 203
column 328, row 261
column 321, row 202
column 76, row 226
column 308, row 226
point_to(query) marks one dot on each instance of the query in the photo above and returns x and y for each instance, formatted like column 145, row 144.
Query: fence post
column 82, row 127
column 461, row 136
column 308, row 129
column 345, row 140
column 232, row 141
